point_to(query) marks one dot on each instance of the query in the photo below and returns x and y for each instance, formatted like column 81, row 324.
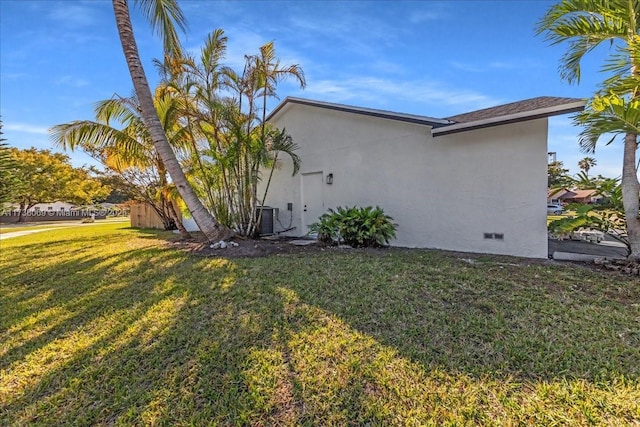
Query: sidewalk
column 607, row 248
column 52, row 226
column 4, row 236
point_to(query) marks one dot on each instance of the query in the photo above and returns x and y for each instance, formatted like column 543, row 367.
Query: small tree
column 607, row 216
column 557, row 175
column 584, row 182
column 47, row 177
column 9, row 183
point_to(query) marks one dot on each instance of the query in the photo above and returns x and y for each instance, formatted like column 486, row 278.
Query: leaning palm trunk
column 177, row 221
column 630, row 194
column 207, row 224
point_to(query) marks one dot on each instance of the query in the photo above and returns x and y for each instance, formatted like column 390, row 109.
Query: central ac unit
column 268, row 221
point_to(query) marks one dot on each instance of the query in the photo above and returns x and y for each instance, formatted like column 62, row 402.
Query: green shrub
column 326, row 228
column 358, row 227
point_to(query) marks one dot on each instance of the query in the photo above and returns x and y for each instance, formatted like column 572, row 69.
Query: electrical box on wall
column 289, row 206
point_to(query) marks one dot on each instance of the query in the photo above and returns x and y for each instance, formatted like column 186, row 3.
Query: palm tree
column 198, row 83
column 263, row 73
column 586, row 164
column 162, row 14
column 225, row 112
column 128, row 150
column 585, row 25
column 267, row 73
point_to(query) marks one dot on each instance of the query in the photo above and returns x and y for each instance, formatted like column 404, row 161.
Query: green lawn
column 106, row 325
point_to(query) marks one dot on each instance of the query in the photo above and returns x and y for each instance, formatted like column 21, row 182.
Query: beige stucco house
column 475, row 182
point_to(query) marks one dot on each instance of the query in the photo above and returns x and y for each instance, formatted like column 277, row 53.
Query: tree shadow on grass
column 153, row 336
column 499, row 317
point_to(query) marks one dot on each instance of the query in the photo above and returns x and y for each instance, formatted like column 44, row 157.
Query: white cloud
column 466, row 67
column 377, row 90
column 14, row 76
column 74, row 14
column 516, row 64
column 422, row 16
column 72, row 81
column 25, row 128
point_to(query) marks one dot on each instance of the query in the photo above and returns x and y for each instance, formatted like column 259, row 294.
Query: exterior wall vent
column 496, row 236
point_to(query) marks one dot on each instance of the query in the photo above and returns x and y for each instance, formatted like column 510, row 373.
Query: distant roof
column 578, row 194
column 557, row 192
column 529, row 109
column 566, row 194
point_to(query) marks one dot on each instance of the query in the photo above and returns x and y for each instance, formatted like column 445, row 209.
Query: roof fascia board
column 571, row 107
column 421, row 120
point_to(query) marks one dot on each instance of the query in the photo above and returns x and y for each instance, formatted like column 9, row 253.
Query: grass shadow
column 132, row 332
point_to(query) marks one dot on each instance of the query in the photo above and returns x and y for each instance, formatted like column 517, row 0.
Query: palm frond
column 609, row 114
column 214, row 49
column 280, row 141
column 584, row 25
column 123, row 110
column 164, row 16
column 117, row 148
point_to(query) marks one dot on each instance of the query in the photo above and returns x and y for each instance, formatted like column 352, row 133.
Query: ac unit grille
column 268, row 220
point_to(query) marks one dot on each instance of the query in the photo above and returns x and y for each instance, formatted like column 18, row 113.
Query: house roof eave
column 539, row 113
column 391, row 115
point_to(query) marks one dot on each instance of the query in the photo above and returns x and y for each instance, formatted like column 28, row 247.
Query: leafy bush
column 608, row 219
column 326, row 228
column 358, row 227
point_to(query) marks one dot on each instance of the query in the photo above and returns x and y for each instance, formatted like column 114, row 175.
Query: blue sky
column 57, row 58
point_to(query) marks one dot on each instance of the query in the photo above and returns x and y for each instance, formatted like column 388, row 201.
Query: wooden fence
column 143, row 216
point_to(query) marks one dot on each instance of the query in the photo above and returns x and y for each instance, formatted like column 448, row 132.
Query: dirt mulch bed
column 254, row 248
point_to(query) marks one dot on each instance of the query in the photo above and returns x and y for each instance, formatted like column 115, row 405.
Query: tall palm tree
column 222, row 110
column 263, row 72
column 198, row 83
column 267, row 73
column 586, row 164
column 162, row 14
column 585, row 25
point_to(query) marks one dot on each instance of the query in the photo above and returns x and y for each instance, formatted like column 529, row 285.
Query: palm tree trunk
column 177, row 221
column 631, row 194
column 206, row 222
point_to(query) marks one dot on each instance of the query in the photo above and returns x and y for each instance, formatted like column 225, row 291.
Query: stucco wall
column 443, row 192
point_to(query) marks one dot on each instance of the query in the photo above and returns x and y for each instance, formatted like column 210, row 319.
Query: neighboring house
column 581, row 196
column 554, row 194
column 50, row 207
column 566, row 196
column 54, row 211
column 475, row 182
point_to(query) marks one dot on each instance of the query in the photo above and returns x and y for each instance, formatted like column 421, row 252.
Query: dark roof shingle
column 524, row 106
